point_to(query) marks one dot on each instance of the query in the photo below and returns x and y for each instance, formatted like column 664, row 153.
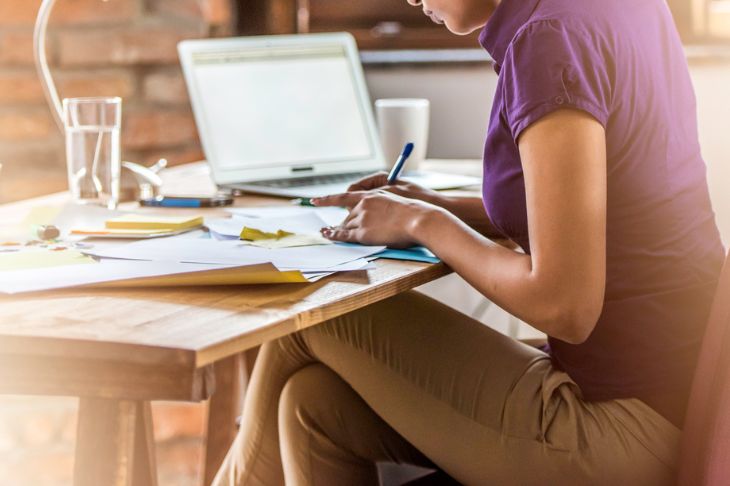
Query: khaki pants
column 410, row 380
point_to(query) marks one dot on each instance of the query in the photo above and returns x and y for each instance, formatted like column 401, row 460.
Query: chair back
column 705, row 455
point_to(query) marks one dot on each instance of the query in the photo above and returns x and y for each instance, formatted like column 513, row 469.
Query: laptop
column 287, row 115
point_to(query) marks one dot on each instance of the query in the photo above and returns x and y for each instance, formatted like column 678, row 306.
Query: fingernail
column 314, row 201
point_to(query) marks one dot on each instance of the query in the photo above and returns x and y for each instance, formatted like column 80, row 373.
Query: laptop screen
column 281, row 106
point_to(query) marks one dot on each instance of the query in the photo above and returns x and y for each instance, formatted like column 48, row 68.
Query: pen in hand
column 392, row 177
column 400, row 163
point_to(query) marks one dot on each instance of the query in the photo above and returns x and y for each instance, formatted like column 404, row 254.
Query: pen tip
column 408, row 149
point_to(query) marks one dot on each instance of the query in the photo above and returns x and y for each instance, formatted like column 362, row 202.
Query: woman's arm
column 471, row 211
column 560, row 287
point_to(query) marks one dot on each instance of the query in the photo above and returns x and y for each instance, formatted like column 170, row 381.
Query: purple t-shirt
column 622, row 62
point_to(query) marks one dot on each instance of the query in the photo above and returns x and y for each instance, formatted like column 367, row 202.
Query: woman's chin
column 460, row 29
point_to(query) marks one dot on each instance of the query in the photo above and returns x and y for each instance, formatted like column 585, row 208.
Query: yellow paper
column 254, row 274
column 252, row 234
column 121, row 232
column 154, row 222
column 29, row 259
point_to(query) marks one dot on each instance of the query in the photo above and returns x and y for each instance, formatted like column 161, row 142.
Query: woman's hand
column 402, row 188
column 377, row 218
column 468, row 209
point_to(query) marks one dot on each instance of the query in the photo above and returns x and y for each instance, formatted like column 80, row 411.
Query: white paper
column 211, row 251
column 330, row 215
column 82, row 216
column 304, row 224
column 17, row 281
column 359, row 264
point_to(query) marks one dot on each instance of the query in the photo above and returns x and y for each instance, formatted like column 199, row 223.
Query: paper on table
column 415, row 254
column 126, row 273
column 125, row 234
column 359, row 264
column 264, row 273
column 39, row 258
column 81, row 216
column 154, row 222
column 234, row 253
column 253, row 274
column 304, row 224
column 330, row 215
column 291, row 241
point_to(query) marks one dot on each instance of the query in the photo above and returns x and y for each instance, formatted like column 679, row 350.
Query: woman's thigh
column 482, row 406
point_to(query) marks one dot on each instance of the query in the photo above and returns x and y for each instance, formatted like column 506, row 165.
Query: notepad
column 149, row 222
column 125, row 233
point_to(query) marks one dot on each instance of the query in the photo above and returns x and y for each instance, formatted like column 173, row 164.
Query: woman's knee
column 305, row 398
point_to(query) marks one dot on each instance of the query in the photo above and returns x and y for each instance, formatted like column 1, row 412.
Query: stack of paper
column 194, row 258
column 285, row 231
column 331, row 216
column 141, row 226
column 154, row 222
column 309, row 259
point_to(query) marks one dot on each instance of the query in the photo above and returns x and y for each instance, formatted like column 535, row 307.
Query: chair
column 705, row 453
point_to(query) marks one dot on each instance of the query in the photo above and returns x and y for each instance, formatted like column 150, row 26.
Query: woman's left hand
column 377, row 218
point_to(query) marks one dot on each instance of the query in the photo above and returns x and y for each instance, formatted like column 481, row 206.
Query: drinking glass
column 93, row 152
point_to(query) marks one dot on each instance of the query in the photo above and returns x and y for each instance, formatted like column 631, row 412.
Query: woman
column 592, row 166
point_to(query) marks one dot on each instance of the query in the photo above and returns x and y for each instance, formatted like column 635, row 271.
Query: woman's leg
column 330, row 436
column 481, row 406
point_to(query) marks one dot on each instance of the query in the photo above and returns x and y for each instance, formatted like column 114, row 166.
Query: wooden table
column 120, row 349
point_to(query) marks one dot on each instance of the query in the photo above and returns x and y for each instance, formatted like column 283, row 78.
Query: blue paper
column 415, row 254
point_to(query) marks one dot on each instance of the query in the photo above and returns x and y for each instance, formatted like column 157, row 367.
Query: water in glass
column 93, row 156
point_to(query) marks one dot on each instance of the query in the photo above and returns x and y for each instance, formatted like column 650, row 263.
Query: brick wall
column 121, row 48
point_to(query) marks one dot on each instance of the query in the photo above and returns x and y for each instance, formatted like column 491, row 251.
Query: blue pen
column 398, row 167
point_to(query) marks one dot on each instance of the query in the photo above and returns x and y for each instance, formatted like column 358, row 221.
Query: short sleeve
column 549, row 67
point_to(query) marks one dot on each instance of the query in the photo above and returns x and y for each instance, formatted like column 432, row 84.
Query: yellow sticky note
column 32, row 259
column 154, row 222
column 252, row 234
column 118, row 232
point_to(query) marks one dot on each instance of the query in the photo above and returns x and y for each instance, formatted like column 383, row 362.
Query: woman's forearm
column 506, row 277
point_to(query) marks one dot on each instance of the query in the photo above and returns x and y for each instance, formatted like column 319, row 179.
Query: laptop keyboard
column 319, row 180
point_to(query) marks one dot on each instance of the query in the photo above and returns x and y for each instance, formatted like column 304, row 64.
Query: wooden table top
column 180, row 330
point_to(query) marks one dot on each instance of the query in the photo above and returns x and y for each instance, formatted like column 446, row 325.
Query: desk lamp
column 41, row 62
column 148, row 179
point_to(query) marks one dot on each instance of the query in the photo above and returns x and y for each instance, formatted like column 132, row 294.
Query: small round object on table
column 48, row 232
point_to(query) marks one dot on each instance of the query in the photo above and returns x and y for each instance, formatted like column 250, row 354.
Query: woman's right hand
column 379, row 181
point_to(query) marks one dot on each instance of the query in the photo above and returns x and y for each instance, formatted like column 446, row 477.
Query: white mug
column 403, row 120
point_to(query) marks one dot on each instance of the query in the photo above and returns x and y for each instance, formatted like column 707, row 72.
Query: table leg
column 145, row 462
column 114, row 444
column 224, row 407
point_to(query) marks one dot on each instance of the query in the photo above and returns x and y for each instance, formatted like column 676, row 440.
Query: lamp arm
column 41, row 62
